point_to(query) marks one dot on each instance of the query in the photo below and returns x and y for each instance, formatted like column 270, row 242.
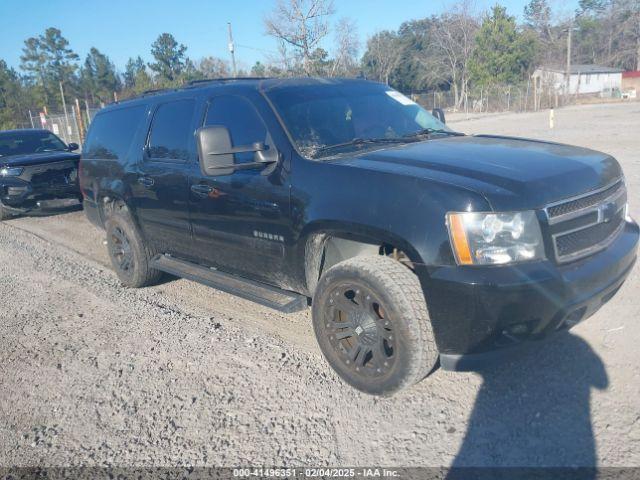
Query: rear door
column 161, row 189
column 241, row 221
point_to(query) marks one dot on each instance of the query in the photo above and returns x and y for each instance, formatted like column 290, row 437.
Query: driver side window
column 241, row 119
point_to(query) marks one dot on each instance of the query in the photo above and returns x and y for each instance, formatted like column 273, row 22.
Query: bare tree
column 383, row 55
column 213, row 67
column 453, row 38
column 347, row 46
column 301, row 24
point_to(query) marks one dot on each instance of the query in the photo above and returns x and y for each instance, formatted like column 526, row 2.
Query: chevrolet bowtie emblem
column 606, row 212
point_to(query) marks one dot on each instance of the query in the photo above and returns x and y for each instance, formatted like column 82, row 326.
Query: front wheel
column 4, row 214
column 370, row 318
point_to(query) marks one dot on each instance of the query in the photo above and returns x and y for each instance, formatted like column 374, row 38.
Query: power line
column 257, row 49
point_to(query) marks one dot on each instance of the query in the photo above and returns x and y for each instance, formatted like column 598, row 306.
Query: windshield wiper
column 361, row 141
column 430, row 131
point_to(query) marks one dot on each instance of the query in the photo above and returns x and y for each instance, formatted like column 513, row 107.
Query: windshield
column 325, row 119
column 23, row 143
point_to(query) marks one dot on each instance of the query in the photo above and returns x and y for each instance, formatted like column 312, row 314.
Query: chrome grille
column 585, row 202
column 583, row 225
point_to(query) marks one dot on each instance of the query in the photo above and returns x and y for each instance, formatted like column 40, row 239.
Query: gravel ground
column 180, row 374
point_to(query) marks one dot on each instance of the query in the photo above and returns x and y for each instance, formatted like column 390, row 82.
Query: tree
column 33, row 62
column 170, row 58
column 10, row 97
column 549, row 36
column 537, row 15
column 628, row 13
column 98, row 77
column 48, row 61
column 301, row 24
column 347, row 45
column 319, row 63
column 136, row 77
column 502, row 54
column 417, row 49
column 454, row 38
column 132, row 70
column 213, row 67
column 382, row 55
column 258, row 70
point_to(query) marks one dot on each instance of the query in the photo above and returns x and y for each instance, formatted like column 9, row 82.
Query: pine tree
column 170, row 58
column 502, row 54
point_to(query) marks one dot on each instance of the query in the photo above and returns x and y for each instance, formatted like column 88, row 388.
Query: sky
column 127, row 28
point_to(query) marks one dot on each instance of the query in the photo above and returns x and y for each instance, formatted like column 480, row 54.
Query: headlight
column 495, row 238
column 11, row 171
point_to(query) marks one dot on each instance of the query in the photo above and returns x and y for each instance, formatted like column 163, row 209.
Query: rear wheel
column 371, row 322
column 130, row 256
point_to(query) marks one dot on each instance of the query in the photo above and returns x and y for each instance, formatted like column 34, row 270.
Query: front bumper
column 20, row 196
column 477, row 310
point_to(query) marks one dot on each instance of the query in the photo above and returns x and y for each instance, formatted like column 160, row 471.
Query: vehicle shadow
column 52, row 211
column 534, row 411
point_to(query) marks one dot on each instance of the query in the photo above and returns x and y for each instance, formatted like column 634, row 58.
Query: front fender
column 403, row 210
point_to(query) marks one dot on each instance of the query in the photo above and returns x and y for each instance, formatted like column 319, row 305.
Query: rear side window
column 112, row 132
column 171, row 131
column 241, row 119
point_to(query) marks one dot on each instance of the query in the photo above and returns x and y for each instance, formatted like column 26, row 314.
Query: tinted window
column 322, row 115
column 171, row 131
column 112, row 132
column 21, row 143
column 240, row 117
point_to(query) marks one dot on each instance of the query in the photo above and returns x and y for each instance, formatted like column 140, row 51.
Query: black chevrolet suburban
column 36, row 169
column 413, row 243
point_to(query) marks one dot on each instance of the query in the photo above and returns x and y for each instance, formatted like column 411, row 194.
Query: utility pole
column 231, row 50
column 568, row 72
column 79, row 123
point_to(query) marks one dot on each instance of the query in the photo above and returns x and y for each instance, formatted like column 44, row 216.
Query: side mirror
column 72, row 147
column 216, row 152
column 439, row 114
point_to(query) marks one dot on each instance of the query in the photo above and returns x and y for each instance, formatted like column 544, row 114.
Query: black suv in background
column 412, row 242
column 36, row 167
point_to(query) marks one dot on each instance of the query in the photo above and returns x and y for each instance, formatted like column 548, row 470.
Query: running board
column 272, row 297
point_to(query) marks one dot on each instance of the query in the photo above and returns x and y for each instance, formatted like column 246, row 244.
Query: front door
column 241, row 221
column 161, row 189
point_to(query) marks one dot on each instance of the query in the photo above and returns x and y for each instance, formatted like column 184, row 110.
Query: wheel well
column 108, row 206
column 324, row 251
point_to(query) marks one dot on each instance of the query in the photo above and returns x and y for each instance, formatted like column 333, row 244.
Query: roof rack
column 190, row 84
column 223, row 79
column 153, row 91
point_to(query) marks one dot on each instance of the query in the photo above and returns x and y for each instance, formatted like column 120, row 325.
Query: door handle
column 146, row 181
column 201, row 190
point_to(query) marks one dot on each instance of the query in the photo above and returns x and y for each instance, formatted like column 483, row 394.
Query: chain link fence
column 70, row 126
column 508, row 98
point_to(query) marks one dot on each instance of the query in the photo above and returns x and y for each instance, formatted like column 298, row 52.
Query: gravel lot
column 180, row 374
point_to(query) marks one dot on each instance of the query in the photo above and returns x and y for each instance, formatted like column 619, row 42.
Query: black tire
column 130, row 255
column 370, row 318
column 4, row 215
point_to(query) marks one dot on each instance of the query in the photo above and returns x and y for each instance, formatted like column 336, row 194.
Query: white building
column 583, row 79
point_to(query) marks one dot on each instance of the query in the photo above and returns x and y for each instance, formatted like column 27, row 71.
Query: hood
column 511, row 173
column 37, row 159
